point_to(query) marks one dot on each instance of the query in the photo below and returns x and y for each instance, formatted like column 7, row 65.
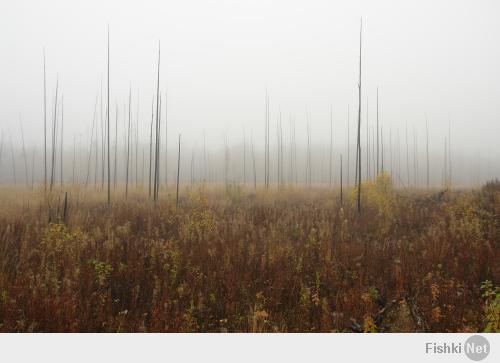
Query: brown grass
column 238, row 261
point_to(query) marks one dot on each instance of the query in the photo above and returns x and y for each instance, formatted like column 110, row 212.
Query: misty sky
column 440, row 58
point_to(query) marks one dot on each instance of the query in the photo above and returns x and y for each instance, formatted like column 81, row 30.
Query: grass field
column 235, row 259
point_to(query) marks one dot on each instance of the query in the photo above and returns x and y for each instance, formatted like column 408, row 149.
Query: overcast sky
column 440, row 58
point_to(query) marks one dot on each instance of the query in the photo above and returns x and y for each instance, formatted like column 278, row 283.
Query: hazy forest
column 132, row 226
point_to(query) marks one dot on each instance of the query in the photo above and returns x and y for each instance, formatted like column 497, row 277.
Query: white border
column 232, row 348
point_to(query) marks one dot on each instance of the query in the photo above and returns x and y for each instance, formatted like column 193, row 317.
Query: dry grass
column 234, row 260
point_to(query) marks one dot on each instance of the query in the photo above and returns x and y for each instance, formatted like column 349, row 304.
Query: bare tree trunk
column 414, row 158
column 137, row 141
column 151, row 147
column 407, row 158
column 24, row 155
column 278, row 148
column 158, row 151
column 367, row 144
column 254, row 170
column 266, row 145
column 96, row 166
column 226, row 161
column 308, row 153
column 205, row 165
column 282, row 162
column 1, row 150
column 359, row 125
column 13, row 160
column 391, row 153
column 109, row 165
column 427, row 150
column 378, row 170
column 74, row 160
column 449, row 154
column 348, row 148
column 192, row 168
column 341, row 186
column 142, row 172
column 374, row 155
column 244, row 158
column 32, row 168
column 166, row 140
column 178, row 173
column 103, row 146
column 91, row 142
column 54, row 133
column 155, row 184
column 44, row 126
column 382, row 148
column 62, row 139
column 331, row 146
column 128, row 142
column 445, row 172
column 116, row 149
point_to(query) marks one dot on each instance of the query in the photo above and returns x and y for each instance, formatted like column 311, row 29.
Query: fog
column 429, row 59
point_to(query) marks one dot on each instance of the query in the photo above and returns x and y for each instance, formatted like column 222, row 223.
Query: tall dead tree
column 382, row 148
column 358, row 152
column 32, row 167
column 178, row 174
column 282, row 162
column 415, row 157
column 155, row 179
column 341, row 186
column 427, row 151
column 103, row 145
column 158, row 152
column 26, row 180
column 253, row 164
column 348, row 147
column 445, row 171
column 166, row 139
column 44, row 126
column 151, row 147
column 449, row 153
column 1, row 150
column 377, row 137
column 226, row 161
column 74, row 160
column 308, row 154
column 205, row 166
column 137, row 141
column 127, row 173
column 13, row 159
column 108, row 107
column 266, row 144
column 278, row 143
column 244, row 158
column 407, row 157
column 367, row 144
column 331, row 146
column 54, row 142
column 62, row 140
column 91, row 143
column 116, row 149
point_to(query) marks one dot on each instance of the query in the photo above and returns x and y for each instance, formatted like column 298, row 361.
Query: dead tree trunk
column 109, row 165
column 44, row 126
column 427, row 151
column 155, row 183
column 128, row 143
column 178, row 174
column 331, row 146
column 359, row 125
column 341, row 186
